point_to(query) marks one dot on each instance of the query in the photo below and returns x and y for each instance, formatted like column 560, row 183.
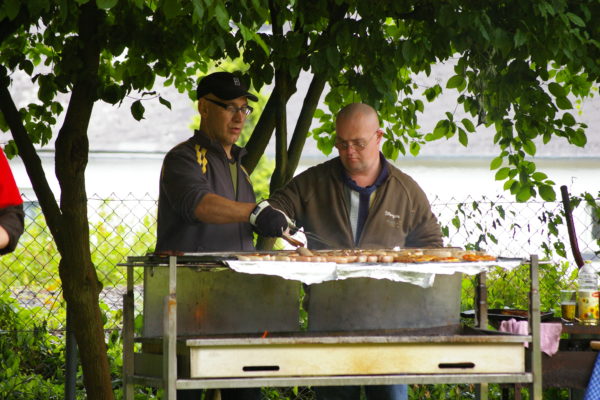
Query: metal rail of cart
column 176, row 361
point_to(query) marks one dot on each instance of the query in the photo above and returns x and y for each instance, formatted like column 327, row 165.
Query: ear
column 202, row 107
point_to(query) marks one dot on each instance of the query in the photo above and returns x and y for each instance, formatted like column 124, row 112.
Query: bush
column 31, row 361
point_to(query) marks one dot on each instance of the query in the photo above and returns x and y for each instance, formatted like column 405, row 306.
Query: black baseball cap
column 224, row 85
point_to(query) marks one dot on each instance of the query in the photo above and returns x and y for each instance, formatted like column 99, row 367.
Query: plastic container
column 587, row 295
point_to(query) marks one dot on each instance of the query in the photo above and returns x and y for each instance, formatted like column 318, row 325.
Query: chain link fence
column 122, row 226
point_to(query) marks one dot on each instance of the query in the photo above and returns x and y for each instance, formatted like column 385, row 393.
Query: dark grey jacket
column 190, row 170
column 399, row 215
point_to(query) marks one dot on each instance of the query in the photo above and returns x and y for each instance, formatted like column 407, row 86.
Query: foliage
column 31, row 361
column 505, row 73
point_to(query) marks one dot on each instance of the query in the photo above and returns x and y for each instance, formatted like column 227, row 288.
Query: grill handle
column 571, row 226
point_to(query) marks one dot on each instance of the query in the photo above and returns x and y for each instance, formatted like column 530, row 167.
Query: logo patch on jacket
column 201, row 157
column 393, row 220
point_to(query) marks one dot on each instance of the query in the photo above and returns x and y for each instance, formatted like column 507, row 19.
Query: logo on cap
column 236, row 81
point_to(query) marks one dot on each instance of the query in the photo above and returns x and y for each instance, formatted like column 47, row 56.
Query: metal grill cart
column 208, row 325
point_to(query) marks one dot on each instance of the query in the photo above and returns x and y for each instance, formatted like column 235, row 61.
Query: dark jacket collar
column 382, row 177
column 202, row 139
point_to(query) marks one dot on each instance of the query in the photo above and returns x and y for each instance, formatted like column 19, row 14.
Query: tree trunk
column 69, row 223
column 81, row 287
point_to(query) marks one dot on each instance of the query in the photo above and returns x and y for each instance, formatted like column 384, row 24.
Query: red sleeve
column 9, row 193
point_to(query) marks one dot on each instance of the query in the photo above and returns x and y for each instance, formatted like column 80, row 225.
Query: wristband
column 259, row 207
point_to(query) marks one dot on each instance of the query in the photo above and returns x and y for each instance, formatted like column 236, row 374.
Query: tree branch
column 311, row 101
column 309, row 106
column 278, row 178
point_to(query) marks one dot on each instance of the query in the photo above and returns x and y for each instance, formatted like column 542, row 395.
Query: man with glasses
column 357, row 200
column 206, row 199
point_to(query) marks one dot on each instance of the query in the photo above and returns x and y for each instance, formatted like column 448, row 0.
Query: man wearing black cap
column 206, row 201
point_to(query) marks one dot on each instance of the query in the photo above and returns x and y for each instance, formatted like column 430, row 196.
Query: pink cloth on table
column 549, row 333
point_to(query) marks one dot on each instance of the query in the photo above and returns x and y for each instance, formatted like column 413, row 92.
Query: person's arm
column 11, row 208
column 426, row 231
column 215, row 209
column 11, row 227
column 4, row 239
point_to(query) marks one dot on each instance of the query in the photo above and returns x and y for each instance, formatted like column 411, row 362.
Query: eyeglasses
column 359, row 144
column 230, row 108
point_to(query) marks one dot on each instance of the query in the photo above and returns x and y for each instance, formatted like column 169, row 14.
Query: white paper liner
column 420, row 274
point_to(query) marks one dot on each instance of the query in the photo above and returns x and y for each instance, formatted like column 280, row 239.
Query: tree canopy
column 519, row 66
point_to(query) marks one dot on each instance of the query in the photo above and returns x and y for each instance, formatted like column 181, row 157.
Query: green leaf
column 576, row 20
column 455, row 82
column 3, row 124
column 529, row 147
column 11, row 8
column 333, row 56
column 578, row 138
column 520, row 38
column 415, row 148
column 408, row 51
column 547, row 193
column 539, row 176
column 325, row 145
column 170, row 8
column 468, row 125
column 441, row 129
column 164, row 102
column 247, row 34
column 524, row 194
column 563, row 103
column 431, row 93
column 26, row 66
column 112, row 94
column 222, row 15
column 137, row 110
column 462, row 137
column 556, row 89
column 389, row 150
column 502, row 173
column 568, row 119
column 496, row 163
column 198, row 9
column 258, row 39
column 106, row 4
column 509, row 184
column 456, row 222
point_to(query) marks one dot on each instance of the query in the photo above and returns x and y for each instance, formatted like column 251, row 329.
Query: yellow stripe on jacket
column 201, row 157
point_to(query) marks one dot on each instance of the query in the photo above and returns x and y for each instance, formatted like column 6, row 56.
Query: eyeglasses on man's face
column 358, row 144
column 231, row 109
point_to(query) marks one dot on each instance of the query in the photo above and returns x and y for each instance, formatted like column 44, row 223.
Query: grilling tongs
column 571, row 226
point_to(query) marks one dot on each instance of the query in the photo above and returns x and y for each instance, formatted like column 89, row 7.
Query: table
column 572, row 365
column 523, row 367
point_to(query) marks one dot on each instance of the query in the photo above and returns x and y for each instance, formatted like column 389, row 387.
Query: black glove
column 268, row 221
